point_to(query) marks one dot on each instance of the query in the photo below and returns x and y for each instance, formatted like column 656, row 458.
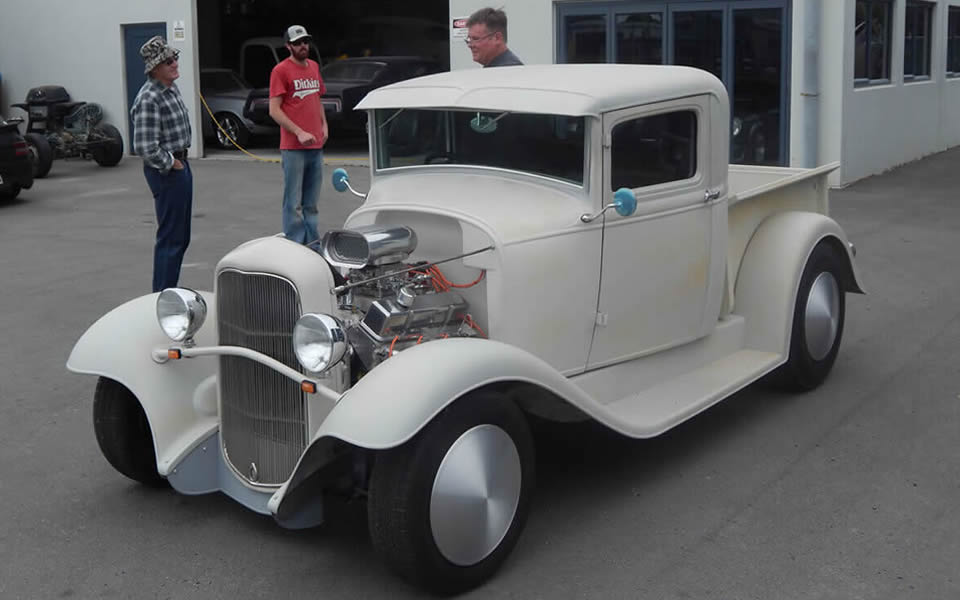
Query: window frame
column 888, row 46
column 927, row 10
column 668, row 195
column 953, row 17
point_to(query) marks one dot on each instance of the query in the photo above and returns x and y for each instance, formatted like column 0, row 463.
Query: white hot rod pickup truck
column 567, row 242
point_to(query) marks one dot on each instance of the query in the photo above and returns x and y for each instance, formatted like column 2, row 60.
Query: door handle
column 708, row 195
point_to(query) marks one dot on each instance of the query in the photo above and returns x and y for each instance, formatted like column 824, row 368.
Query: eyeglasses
column 472, row 40
column 172, row 59
column 301, row 42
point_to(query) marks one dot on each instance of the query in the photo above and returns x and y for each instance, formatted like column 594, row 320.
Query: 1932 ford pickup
column 565, row 241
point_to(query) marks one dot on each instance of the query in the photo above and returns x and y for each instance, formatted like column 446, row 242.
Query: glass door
column 757, row 98
column 697, row 34
column 743, row 42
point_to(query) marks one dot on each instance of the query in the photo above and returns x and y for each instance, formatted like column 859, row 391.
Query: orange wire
column 473, row 324
column 395, row 338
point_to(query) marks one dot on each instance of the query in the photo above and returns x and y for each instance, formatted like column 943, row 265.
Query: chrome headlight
column 319, row 342
column 180, row 312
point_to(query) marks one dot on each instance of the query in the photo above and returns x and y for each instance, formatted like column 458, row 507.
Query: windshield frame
column 377, row 138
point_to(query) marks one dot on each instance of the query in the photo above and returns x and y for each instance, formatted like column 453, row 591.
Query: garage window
column 953, row 42
column 872, row 34
column 654, row 149
column 916, row 40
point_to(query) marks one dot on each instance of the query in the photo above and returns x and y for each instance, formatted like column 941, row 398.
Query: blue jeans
column 173, row 200
column 302, row 176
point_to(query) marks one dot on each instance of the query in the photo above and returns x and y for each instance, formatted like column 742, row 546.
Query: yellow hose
column 233, row 141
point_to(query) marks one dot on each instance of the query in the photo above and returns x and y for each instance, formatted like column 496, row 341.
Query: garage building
column 869, row 83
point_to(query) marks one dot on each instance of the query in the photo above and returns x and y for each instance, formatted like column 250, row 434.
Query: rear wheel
column 447, row 507
column 110, row 153
column 123, row 433
column 232, row 126
column 818, row 318
column 41, row 154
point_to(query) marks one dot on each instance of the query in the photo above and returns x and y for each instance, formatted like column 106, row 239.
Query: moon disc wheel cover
column 475, row 494
column 822, row 315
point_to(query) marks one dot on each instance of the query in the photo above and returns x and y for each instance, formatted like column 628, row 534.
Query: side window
column 655, row 149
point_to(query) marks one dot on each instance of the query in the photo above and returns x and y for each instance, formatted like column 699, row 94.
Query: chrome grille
column 263, row 415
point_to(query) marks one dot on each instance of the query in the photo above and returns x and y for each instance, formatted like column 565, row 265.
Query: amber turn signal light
column 308, row 386
column 173, row 354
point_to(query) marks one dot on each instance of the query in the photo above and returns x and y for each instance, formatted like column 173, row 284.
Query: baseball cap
column 295, row 32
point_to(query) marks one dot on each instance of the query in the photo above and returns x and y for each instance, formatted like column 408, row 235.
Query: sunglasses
column 172, row 59
column 301, row 42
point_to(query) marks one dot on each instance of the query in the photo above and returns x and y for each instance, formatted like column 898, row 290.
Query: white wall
column 530, row 30
column 81, row 48
column 887, row 125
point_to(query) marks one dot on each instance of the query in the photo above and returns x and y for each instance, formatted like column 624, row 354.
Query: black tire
column 41, row 154
column 123, row 433
column 401, row 499
column 812, row 353
column 10, row 194
column 110, row 153
column 234, row 128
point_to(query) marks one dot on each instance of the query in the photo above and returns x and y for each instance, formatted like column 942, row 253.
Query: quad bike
column 60, row 128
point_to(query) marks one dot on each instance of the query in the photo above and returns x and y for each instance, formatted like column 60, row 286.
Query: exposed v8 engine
column 393, row 304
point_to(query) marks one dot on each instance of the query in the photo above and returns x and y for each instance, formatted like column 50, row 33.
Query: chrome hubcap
column 228, row 126
column 822, row 315
column 475, row 494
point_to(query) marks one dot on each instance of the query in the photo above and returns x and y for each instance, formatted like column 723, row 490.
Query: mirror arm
column 353, row 191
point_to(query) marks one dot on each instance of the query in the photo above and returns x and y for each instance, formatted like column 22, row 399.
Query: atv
column 60, row 128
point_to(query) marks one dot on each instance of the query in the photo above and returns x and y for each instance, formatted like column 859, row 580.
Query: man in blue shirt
column 487, row 39
column 161, row 136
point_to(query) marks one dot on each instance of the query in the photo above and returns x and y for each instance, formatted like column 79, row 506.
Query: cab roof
column 573, row 90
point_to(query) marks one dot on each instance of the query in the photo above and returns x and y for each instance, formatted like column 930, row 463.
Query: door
column 135, row 36
column 656, row 264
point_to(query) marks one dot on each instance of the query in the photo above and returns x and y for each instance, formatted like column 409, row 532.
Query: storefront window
column 872, row 41
column 953, row 42
column 916, row 40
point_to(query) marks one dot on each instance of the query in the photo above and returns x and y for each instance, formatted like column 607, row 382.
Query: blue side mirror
column 340, row 179
column 624, row 202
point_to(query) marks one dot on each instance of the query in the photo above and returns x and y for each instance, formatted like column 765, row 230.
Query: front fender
column 392, row 403
column 766, row 286
column 179, row 397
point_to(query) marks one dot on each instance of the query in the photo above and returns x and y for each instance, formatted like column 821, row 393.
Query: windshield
column 351, row 71
column 549, row 145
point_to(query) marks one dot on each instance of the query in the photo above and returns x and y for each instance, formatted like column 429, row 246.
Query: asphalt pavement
column 846, row 492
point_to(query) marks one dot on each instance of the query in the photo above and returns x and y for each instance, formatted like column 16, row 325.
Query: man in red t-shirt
column 295, row 92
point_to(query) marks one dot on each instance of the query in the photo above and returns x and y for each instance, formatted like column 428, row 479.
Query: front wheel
column 111, row 151
column 818, row 317
column 447, row 507
column 231, row 128
column 123, row 433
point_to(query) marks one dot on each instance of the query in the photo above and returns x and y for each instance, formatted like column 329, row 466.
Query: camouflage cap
column 155, row 51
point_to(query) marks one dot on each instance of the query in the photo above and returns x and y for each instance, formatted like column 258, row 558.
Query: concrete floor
column 847, row 492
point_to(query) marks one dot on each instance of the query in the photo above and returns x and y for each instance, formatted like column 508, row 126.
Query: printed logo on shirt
column 305, row 87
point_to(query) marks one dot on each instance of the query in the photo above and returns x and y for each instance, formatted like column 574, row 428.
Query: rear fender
column 179, row 397
column 766, row 286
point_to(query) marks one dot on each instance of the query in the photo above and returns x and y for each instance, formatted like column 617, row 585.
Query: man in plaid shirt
column 161, row 135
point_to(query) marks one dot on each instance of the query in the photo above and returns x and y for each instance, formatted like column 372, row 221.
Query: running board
column 665, row 405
